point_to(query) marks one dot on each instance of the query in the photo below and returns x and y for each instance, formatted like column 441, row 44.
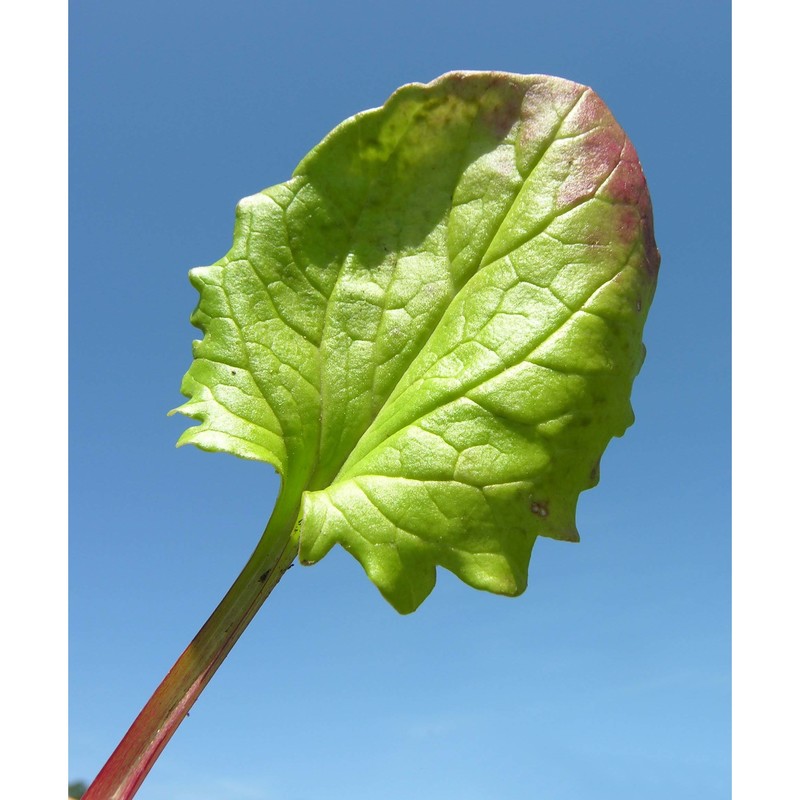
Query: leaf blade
column 447, row 298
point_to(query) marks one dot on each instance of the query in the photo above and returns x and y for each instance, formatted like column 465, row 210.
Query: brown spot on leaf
column 539, row 507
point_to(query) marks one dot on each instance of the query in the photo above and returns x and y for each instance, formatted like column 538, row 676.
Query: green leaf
column 431, row 330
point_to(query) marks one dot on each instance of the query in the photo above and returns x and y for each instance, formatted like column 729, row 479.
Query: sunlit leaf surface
column 431, row 330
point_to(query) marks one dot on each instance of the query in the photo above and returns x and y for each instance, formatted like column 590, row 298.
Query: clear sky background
column 610, row 677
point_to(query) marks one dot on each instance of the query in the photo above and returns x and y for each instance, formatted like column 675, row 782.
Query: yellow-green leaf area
column 432, row 329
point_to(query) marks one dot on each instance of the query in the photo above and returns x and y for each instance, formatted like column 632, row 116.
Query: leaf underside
column 431, row 330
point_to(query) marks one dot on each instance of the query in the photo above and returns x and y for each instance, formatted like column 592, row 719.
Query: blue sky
column 610, row 677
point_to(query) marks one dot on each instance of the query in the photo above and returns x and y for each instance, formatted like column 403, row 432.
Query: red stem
column 129, row 764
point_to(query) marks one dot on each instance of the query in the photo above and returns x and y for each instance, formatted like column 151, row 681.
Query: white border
column 33, row 320
column 766, row 262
